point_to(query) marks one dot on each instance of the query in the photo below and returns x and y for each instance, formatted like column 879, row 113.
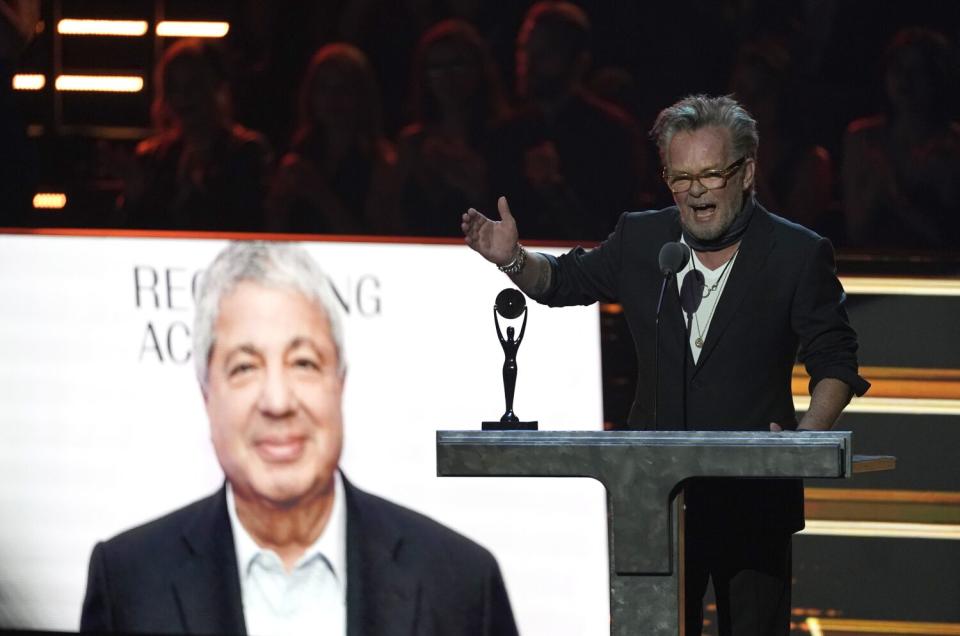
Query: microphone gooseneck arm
column 673, row 258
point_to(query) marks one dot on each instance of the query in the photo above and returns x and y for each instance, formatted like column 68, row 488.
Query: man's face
column 707, row 213
column 274, row 395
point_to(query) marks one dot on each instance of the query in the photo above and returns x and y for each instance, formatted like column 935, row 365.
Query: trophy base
column 509, row 426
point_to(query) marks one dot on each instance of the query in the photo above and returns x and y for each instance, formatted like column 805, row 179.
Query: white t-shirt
column 703, row 316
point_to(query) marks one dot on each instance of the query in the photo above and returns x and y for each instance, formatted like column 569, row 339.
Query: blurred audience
column 457, row 100
column 901, row 168
column 340, row 173
column 201, row 171
column 795, row 176
column 18, row 163
column 565, row 148
column 568, row 162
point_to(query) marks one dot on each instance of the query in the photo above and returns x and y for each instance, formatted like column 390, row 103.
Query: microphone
column 691, row 291
column 674, row 256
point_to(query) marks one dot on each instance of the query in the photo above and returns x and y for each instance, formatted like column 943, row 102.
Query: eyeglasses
column 709, row 179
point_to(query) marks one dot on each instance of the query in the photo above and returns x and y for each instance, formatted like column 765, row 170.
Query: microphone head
column 510, row 303
column 691, row 291
column 673, row 257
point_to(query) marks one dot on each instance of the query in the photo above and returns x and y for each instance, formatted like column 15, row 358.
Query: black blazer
column 782, row 297
column 407, row 576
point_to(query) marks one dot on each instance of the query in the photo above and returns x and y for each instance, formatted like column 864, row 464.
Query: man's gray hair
column 699, row 111
column 278, row 265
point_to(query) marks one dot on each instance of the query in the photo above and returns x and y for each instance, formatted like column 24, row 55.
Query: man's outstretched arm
column 499, row 243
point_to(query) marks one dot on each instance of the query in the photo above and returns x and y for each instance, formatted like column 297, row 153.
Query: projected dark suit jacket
column 407, row 575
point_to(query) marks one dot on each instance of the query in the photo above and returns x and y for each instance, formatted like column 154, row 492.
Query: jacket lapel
column 382, row 595
column 207, row 585
column 754, row 249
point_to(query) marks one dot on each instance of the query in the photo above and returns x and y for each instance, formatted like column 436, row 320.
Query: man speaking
column 758, row 290
column 288, row 545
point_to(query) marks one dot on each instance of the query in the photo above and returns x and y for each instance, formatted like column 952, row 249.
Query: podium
column 643, row 472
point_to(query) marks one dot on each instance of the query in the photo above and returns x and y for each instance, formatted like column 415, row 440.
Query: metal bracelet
column 516, row 265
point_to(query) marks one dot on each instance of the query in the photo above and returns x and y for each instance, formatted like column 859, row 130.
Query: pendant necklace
column 709, row 290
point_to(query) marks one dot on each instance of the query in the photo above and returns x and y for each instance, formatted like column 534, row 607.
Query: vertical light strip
column 182, row 29
column 128, row 28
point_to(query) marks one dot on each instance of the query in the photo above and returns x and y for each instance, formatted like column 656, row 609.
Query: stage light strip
column 882, row 529
column 901, row 286
column 29, row 81
column 129, row 28
column 831, row 626
column 49, row 200
column 100, row 83
column 903, row 406
column 176, row 29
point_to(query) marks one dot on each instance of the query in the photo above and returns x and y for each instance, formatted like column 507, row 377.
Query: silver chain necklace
column 709, row 290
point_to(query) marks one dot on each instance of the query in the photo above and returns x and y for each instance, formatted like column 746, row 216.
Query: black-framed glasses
column 709, row 179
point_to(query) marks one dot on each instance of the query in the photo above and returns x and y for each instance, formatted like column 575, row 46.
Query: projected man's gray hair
column 280, row 265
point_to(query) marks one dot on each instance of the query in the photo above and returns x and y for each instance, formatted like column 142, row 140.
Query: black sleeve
column 498, row 616
column 582, row 277
column 96, row 616
column 828, row 344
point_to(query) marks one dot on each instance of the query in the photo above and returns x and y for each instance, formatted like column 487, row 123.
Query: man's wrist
column 515, row 266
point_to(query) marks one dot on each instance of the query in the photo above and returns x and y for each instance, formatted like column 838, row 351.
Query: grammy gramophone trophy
column 510, row 304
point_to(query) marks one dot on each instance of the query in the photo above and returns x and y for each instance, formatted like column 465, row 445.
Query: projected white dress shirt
column 310, row 599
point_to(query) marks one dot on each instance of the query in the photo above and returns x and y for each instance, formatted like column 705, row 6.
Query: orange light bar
column 100, row 83
column 29, row 81
column 178, row 29
column 129, row 28
column 837, row 626
column 49, row 200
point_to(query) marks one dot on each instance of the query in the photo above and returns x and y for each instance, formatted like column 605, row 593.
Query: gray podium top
column 641, row 470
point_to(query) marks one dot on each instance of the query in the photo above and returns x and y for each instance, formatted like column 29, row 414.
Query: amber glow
column 100, row 83
column 901, row 286
column 129, row 28
column 884, row 529
column 49, row 200
column 29, row 81
column 837, row 626
column 175, row 29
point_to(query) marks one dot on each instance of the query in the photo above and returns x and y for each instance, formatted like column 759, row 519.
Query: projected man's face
column 274, row 396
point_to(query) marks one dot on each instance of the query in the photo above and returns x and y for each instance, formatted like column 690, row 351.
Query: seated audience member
column 457, row 99
column 288, row 545
column 901, row 169
column 798, row 176
column 568, row 159
column 339, row 175
column 201, row 171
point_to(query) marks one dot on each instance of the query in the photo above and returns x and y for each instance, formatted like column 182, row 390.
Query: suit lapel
column 382, row 595
column 207, row 585
column 754, row 249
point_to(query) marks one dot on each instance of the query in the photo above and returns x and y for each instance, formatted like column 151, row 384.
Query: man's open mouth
column 702, row 211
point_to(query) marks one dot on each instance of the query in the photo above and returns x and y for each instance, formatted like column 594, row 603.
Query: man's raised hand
column 496, row 241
